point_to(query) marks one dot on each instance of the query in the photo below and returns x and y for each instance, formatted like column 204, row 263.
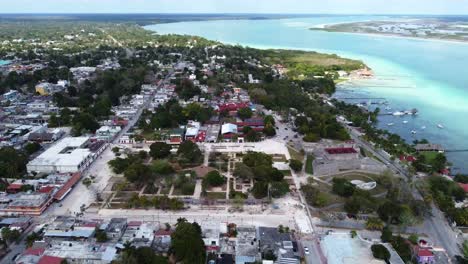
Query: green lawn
column 216, row 195
column 295, row 154
column 308, row 167
column 429, row 155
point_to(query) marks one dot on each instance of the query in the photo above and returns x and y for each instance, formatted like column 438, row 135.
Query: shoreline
column 322, row 27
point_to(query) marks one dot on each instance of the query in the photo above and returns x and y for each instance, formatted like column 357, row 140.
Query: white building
column 68, row 155
column 192, row 130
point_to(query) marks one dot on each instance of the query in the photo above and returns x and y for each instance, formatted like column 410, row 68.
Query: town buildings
column 70, row 154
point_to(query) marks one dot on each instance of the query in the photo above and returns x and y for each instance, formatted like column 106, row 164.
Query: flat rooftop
column 69, row 151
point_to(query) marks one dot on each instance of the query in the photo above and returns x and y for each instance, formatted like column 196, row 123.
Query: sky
column 458, row 7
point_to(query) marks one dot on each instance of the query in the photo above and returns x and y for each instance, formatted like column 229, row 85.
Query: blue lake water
column 4, row 62
column 429, row 75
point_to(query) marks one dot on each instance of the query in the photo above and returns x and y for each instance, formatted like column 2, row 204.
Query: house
column 40, row 106
column 192, row 130
column 115, row 228
column 46, row 136
column 210, row 237
column 139, row 234
column 12, row 95
column 107, row 133
column 46, row 88
column 228, row 131
column 176, row 136
column 280, row 244
column 68, row 228
column 33, row 204
column 429, row 147
column 247, row 245
column 256, row 124
column 162, row 240
column 212, row 133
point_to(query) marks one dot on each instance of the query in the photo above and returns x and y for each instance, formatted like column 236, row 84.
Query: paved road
column 315, row 255
column 18, row 248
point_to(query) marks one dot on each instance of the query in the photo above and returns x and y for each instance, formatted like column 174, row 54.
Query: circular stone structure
column 367, row 186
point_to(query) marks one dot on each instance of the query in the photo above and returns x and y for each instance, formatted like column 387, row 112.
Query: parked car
column 306, row 251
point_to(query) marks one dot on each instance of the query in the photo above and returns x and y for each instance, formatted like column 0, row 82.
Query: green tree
column 189, row 154
column 343, row 187
column 213, row 179
column 243, row 171
column 379, row 251
column 32, row 147
column 138, row 173
column 30, row 239
column 295, row 165
column 100, row 235
column 186, row 90
column 161, row 167
column 187, row 244
column 244, row 113
column 269, row 130
column 279, row 189
column 260, row 189
column 10, row 235
column 374, row 223
column 387, row 234
column 12, row 162
column 160, row 150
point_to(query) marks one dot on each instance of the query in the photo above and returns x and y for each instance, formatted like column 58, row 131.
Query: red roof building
column 335, row 151
column 14, row 188
column 46, row 189
column 66, row 188
column 407, row 158
column 34, row 251
column 232, row 106
column 50, row 260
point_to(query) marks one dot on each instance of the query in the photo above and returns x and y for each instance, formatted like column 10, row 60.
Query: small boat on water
column 388, row 108
column 440, row 126
column 390, row 124
column 413, row 132
column 423, row 127
column 405, row 122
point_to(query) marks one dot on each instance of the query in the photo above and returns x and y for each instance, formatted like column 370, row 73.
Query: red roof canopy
column 423, row 252
column 340, row 150
column 50, row 260
column 67, row 186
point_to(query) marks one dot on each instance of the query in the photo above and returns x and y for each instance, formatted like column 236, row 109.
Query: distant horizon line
column 187, row 13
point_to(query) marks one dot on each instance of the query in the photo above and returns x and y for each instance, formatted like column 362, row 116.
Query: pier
column 360, row 98
column 456, row 150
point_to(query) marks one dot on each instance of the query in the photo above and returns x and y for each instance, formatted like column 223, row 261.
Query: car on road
column 15, row 257
column 306, row 251
column 285, row 128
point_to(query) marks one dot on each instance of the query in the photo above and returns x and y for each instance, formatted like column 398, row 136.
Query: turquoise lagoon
column 429, row 75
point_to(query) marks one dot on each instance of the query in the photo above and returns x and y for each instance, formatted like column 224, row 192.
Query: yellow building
column 44, row 88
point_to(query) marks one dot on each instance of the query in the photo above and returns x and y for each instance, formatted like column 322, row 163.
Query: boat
column 423, row 127
column 413, row 132
column 440, row 126
column 390, row 124
column 405, row 122
column 388, row 108
column 398, row 113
